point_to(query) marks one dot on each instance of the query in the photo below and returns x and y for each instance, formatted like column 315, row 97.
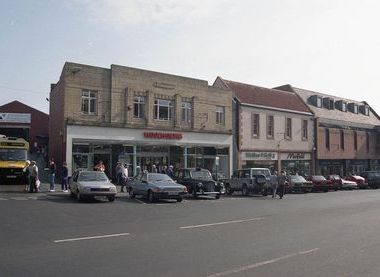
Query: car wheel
column 111, row 198
column 131, row 193
column 179, row 199
column 217, row 196
column 244, row 190
column 229, row 190
column 151, row 198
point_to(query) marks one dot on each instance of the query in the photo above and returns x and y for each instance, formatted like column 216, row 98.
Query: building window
column 89, row 102
column 304, row 129
column 367, row 141
column 255, row 124
column 288, row 128
column 355, row 107
column 163, row 109
column 270, row 126
column 355, row 141
column 319, row 102
column 219, row 119
column 139, row 107
column 342, row 140
column 366, row 110
column 186, row 112
column 327, row 138
column 344, row 107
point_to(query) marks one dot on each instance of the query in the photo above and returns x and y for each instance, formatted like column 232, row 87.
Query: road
column 317, row 234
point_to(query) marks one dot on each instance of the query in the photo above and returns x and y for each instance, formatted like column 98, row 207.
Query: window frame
column 270, row 127
column 89, row 99
column 186, row 112
column 138, row 103
column 220, row 117
column 288, row 128
column 342, row 146
column 255, row 125
column 355, row 141
column 162, row 104
column 305, row 129
column 327, row 138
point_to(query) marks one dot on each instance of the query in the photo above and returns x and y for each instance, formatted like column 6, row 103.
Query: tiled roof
column 250, row 94
column 335, row 114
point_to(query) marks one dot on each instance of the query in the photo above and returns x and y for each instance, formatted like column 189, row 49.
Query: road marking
column 248, row 267
column 94, row 237
column 19, row 198
column 221, row 223
column 3, row 199
column 139, row 201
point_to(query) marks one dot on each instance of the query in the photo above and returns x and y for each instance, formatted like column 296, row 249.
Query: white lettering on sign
column 15, row 117
column 249, row 156
column 295, row 156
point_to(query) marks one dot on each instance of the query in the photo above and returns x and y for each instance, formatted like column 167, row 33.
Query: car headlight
column 113, row 189
column 199, row 184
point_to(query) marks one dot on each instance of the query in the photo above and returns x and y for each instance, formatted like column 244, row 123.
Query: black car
column 372, row 178
column 198, row 182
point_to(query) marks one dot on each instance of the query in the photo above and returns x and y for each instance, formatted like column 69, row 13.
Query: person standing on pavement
column 33, row 177
column 154, row 168
column 100, row 166
column 119, row 171
column 274, row 184
column 52, row 170
column 65, row 177
column 124, row 177
column 27, row 175
column 170, row 171
column 281, row 184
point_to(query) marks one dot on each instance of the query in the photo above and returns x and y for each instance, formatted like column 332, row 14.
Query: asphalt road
column 318, row 234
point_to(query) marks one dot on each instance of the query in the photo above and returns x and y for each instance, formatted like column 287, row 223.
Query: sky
column 329, row 46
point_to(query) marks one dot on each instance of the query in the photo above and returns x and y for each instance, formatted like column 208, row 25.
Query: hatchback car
column 88, row 184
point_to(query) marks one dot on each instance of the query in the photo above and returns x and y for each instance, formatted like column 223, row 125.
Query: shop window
column 163, row 109
column 304, row 129
column 89, row 102
column 355, row 141
column 139, row 107
column 186, row 112
column 255, row 124
column 327, row 138
column 220, row 116
column 270, row 126
column 288, row 128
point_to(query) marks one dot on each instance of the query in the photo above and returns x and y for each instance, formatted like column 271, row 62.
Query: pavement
column 316, row 234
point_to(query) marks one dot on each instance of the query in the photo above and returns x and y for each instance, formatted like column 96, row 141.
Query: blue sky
column 327, row 46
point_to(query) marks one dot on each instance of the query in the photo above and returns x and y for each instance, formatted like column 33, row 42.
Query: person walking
column 124, row 177
column 274, row 183
column 33, row 177
column 154, row 168
column 164, row 169
column 52, row 170
column 65, row 177
column 119, row 171
column 170, row 171
column 100, row 166
column 281, row 184
column 27, row 175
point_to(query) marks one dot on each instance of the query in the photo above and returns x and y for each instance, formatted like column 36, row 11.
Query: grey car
column 156, row 186
column 88, row 184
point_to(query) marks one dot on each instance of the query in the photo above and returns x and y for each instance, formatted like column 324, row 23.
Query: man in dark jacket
column 52, row 169
column 65, row 177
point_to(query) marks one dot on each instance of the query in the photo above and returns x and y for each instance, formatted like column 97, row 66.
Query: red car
column 320, row 183
column 336, row 181
column 359, row 180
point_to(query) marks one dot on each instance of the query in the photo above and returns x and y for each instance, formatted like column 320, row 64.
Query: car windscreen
column 13, row 155
column 201, row 174
column 264, row 172
column 157, row 177
column 295, row 178
column 319, row 178
column 92, row 176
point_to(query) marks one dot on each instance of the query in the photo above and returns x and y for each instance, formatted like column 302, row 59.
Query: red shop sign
column 155, row 135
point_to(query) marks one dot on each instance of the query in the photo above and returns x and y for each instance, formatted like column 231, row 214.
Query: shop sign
column 15, row 117
column 295, row 156
column 158, row 135
column 264, row 156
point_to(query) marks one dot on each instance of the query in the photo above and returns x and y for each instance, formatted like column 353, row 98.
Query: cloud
column 135, row 12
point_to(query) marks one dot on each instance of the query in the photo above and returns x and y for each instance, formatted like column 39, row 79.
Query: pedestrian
column 281, row 184
column 118, row 169
column 100, row 166
column 52, row 170
column 164, row 169
column 33, row 177
column 65, row 177
column 26, row 171
column 170, row 171
column 124, row 177
column 154, row 168
column 274, row 183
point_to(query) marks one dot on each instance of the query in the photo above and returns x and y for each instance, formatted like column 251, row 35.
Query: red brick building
column 20, row 120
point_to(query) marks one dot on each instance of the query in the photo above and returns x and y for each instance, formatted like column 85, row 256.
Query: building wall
column 349, row 152
column 295, row 144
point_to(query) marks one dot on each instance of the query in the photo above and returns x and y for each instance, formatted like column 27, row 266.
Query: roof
column 334, row 114
column 266, row 97
column 17, row 106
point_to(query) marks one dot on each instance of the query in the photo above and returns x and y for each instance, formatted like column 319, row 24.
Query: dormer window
column 316, row 101
column 344, row 106
column 341, row 105
column 364, row 109
column 355, row 108
column 328, row 103
column 352, row 107
column 319, row 102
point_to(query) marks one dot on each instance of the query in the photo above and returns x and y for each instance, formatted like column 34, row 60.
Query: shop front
column 294, row 162
column 327, row 167
column 141, row 149
column 259, row 159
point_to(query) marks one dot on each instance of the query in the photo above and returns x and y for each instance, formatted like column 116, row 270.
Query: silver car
column 156, row 186
column 88, row 184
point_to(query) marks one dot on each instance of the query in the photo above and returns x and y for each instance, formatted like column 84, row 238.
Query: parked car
column 198, row 182
column 336, row 181
column 249, row 180
column 347, row 184
column 298, row 183
column 372, row 178
column 156, row 186
column 320, row 183
column 359, row 180
column 88, row 184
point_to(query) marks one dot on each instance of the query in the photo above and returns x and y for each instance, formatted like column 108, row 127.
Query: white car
column 346, row 184
column 88, row 184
